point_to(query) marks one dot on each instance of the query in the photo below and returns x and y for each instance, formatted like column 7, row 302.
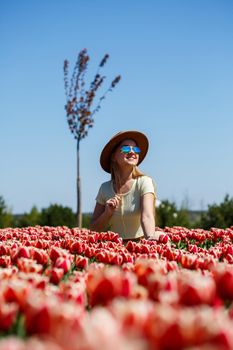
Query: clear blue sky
column 176, row 63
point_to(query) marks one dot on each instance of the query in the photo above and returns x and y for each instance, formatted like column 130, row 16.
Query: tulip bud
column 63, row 263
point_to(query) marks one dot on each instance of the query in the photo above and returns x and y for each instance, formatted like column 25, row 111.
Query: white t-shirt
column 126, row 219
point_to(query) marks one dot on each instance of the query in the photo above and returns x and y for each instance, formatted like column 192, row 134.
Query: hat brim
column 140, row 139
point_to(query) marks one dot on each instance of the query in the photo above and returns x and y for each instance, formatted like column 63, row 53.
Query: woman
column 126, row 203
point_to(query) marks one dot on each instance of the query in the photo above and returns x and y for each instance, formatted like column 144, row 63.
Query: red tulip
column 16, row 291
column 63, row 263
column 38, row 320
column 5, row 261
column 117, row 259
column 163, row 238
column 4, row 249
column 81, row 262
column 40, row 256
column 77, row 247
column 8, row 314
column 24, row 252
column 195, row 289
column 56, row 274
column 89, row 251
column 55, row 253
column 224, row 281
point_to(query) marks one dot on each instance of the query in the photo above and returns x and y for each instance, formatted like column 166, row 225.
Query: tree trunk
column 79, row 203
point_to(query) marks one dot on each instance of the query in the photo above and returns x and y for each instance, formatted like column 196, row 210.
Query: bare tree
column 79, row 106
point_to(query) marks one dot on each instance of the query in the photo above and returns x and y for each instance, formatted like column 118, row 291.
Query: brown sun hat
column 140, row 139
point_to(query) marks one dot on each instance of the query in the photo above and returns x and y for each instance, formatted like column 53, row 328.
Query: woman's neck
column 123, row 183
column 126, row 175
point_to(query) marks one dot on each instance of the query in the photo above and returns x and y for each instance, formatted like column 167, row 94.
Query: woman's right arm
column 99, row 218
column 103, row 213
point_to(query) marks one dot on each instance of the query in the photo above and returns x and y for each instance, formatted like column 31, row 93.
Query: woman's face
column 126, row 159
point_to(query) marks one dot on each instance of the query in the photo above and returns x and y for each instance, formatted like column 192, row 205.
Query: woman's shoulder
column 106, row 185
column 146, row 180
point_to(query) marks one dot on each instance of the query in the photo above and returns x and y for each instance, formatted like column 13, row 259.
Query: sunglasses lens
column 125, row 149
column 136, row 149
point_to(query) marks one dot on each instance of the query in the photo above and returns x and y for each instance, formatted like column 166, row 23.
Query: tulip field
column 75, row 289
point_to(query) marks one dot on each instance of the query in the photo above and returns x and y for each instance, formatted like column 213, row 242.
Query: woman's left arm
column 148, row 217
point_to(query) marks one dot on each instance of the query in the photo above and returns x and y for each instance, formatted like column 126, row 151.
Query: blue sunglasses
column 128, row 149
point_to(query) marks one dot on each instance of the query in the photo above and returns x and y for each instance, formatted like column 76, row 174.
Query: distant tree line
column 167, row 214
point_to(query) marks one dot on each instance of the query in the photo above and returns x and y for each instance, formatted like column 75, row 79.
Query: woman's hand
column 159, row 236
column 112, row 204
column 154, row 236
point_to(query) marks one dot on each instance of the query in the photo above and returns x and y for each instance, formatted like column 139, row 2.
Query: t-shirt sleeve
column 147, row 185
column 100, row 196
